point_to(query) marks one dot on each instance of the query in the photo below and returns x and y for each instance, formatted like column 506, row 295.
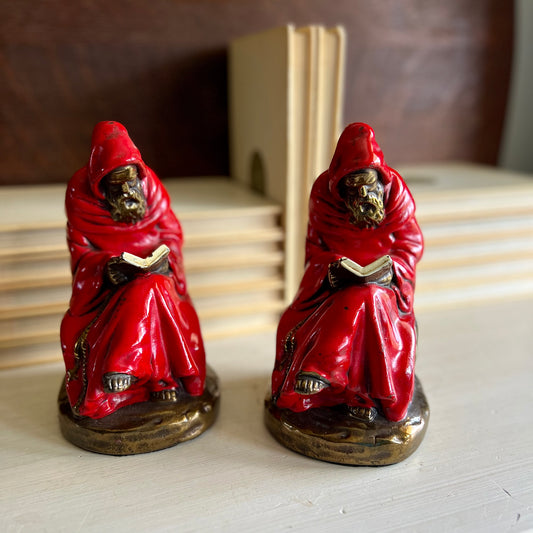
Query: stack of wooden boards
column 285, row 102
column 477, row 222
column 478, row 230
column 233, row 256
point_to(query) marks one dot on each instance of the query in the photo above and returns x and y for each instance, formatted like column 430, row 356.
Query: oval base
column 332, row 434
column 143, row 427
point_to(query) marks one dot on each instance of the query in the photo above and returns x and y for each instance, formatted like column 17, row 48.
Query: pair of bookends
column 136, row 377
column 343, row 386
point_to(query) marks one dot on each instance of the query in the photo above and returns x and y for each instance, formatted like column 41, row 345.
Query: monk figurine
column 131, row 338
column 343, row 385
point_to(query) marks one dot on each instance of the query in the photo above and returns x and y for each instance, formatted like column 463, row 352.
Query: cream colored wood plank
column 464, row 276
column 260, row 295
column 230, row 225
column 34, row 240
column 30, row 354
column 233, row 252
column 219, row 238
column 239, row 324
column 209, row 266
column 240, row 329
column 468, row 296
column 301, row 65
column 461, row 191
column 34, row 298
column 34, row 337
column 484, row 230
column 207, row 291
column 235, row 274
column 57, row 279
column 33, row 251
column 329, row 94
column 243, row 310
column 34, row 268
column 216, row 197
column 475, row 254
column 33, row 206
column 258, row 103
column 23, row 311
column 451, row 179
column 471, row 208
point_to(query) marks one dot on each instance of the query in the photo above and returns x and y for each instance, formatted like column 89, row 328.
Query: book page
column 384, row 262
column 145, row 263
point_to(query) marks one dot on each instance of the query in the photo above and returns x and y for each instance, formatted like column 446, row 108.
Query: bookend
column 145, row 426
column 136, row 377
column 343, row 385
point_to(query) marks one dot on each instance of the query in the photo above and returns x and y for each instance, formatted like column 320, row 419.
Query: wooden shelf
column 473, row 471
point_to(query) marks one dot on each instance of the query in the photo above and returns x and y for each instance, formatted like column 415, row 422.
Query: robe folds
column 146, row 327
column 361, row 339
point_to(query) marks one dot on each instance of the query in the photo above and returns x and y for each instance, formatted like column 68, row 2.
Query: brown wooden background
column 431, row 77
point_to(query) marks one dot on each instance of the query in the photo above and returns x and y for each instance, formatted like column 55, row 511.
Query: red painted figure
column 129, row 334
column 346, row 340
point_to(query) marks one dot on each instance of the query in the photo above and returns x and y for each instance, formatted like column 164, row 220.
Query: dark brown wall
column 430, row 76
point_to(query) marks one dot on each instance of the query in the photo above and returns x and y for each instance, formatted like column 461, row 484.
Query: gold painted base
column 332, row 434
column 142, row 427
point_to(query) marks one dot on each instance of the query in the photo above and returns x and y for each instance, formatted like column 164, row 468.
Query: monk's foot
column 366, row 414
column 166, row 395
column 309, row 383
column 117, row 382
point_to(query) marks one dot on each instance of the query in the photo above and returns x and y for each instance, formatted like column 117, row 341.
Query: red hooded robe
column 146, row 327
column 361, row 338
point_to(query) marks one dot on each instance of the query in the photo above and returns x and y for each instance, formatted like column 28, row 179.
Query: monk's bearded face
column 124, row 195
column 362, row 193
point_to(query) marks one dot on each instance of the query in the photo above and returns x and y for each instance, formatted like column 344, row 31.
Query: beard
column 128, row 208
column 366, row 212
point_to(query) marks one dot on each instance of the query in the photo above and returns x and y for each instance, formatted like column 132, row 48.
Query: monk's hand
column 114, row 272
column 385, row 280
column 162, row 268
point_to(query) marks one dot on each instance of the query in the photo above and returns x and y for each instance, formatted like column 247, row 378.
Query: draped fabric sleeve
column 315, row 284
column 172, row 235
column 406, row 252
column 318, row 255
column 88, row 274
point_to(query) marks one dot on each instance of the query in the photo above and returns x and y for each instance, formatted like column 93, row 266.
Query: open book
column 345, row 269
column 148, row 264
column 379, row 266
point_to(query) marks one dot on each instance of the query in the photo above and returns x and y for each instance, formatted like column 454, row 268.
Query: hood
column 111, row 147
column 85, row 204
column 357, row 149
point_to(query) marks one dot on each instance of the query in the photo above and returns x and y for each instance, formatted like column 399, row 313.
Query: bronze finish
column 332, row 434
column 362, row 193
column 124, row 195
column 143, row 427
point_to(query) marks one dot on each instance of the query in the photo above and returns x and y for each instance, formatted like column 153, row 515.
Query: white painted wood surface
column 473, row 472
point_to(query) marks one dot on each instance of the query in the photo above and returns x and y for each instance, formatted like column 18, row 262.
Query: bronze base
column 331, row 434
column 142, row 427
